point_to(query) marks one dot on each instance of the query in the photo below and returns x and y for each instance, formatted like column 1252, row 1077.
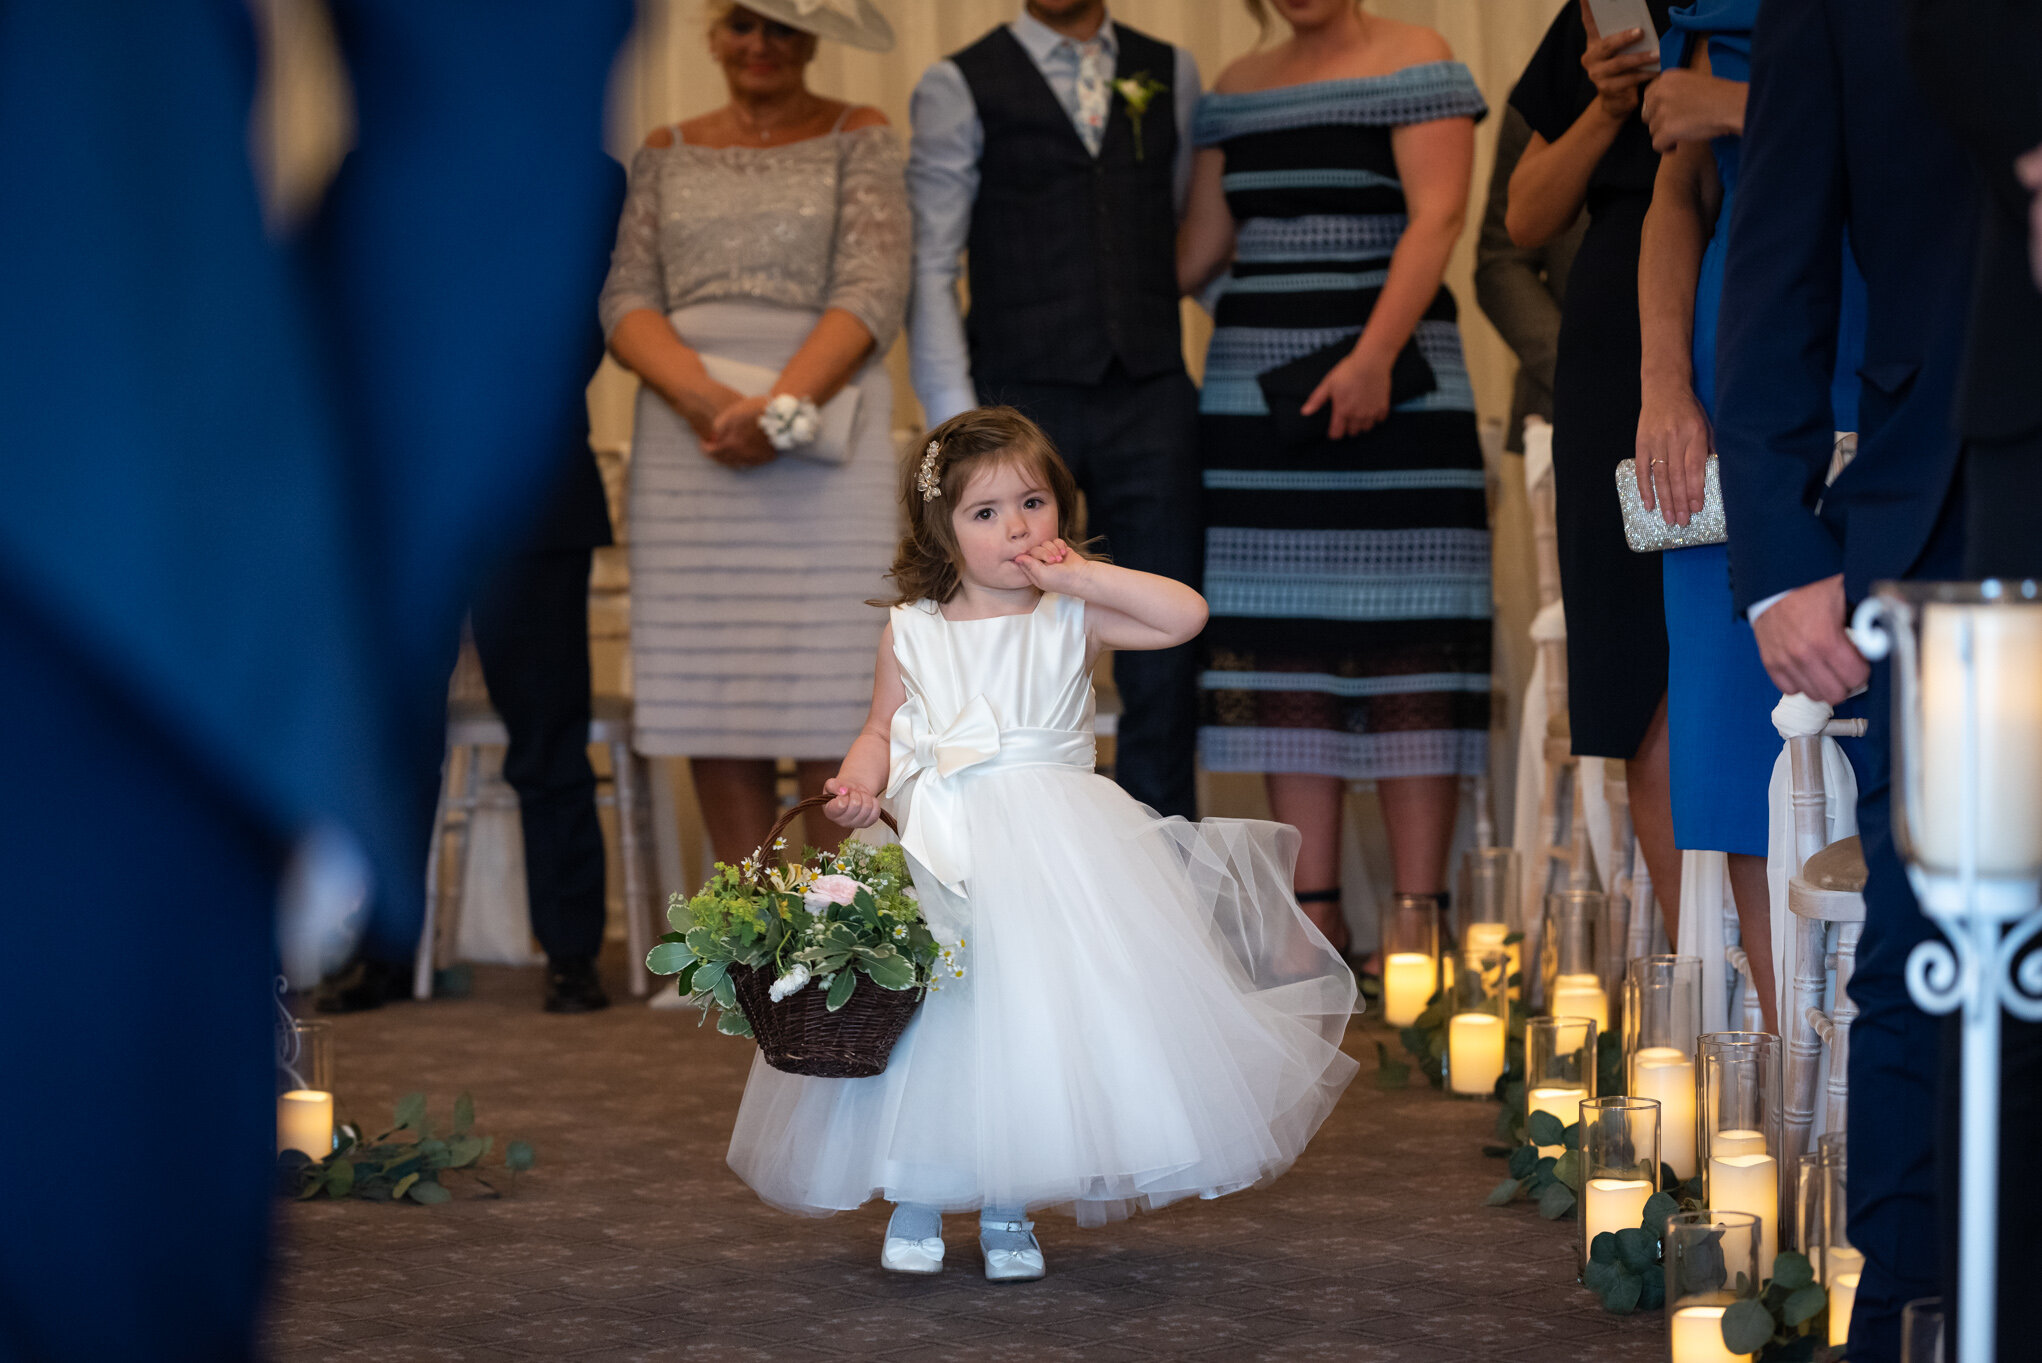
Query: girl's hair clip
column 930, row 485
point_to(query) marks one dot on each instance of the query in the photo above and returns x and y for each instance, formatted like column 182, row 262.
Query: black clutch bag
column 1285, row 388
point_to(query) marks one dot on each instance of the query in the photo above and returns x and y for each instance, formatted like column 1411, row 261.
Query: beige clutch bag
column 832, row 445
column 1648, row 532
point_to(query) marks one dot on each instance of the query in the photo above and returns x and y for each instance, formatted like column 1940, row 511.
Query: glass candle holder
column 1742, row 1158
column 1559, row 1070
column 1843, row 1264
column 1662, row 1008
column 1921, row 1331
column 1711, row 1262
column 1410, row 947
column 1965, row 659
column 305, row 1087
column 1807, row 1220
column 1619, row 1164
column 1571, row 967
column 1478, row 1023
column 1490, row 908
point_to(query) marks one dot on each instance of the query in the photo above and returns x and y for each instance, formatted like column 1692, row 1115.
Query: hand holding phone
column 1620, row 66
column 1615, row 16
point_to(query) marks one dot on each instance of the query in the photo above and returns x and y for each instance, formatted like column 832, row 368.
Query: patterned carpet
column 631, row 1241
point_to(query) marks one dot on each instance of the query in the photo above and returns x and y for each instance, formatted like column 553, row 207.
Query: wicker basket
column 800, row 1035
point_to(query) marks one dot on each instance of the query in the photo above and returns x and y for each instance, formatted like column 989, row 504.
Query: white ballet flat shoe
column 1009, row 1262
column 901, row 1255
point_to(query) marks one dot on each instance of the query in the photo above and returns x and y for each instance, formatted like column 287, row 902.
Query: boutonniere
column 1136, row 91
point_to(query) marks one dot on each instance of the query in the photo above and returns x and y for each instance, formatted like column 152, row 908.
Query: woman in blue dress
column 1719, row 699
column 1347, row 540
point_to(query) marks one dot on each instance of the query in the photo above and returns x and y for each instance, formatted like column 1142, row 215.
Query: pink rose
column 831, row 890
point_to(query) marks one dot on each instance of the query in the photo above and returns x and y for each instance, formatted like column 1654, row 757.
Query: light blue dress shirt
column 943, row 184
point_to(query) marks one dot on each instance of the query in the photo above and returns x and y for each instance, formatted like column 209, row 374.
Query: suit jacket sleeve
column 1776, row 342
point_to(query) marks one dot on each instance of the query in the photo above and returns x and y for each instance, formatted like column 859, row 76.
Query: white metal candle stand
column 1986, row 921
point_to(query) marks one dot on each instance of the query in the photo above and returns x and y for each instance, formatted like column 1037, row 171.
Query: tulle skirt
column 1145, row 1015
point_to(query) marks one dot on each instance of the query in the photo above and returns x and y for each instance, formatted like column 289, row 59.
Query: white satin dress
column 1146, row 1013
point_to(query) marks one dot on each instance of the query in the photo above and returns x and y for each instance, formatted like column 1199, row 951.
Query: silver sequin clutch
column 1649, row 533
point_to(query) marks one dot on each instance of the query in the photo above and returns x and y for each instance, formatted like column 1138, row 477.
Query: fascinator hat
column 857, row 23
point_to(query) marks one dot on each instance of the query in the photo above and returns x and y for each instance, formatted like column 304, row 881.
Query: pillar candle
column 1615, row 1204
column 2007, row 642
column 1841, row 1259
column 1698, row 1336
column 1564, row 1103
column 1407, row 986
column 1737, row 1141
column 1581, row 996
column 1474, row 1052
column 1843, row 1295
column 1749, row 1183
column 305, row 1122
column 1667, row 1074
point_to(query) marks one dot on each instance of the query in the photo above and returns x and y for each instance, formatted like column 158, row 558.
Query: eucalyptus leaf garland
column 403, row 1164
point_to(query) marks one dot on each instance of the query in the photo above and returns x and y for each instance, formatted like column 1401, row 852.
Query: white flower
column 790, row 422
column 830, row 890
column 790, row 983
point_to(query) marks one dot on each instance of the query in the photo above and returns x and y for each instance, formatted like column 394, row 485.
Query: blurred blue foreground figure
column 247, row 483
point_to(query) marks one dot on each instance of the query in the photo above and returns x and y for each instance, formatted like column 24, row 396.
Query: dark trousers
column 141, row 898
column 531, row 633
column 1894, row 1045
column 2003, row 482
column 1132, row 444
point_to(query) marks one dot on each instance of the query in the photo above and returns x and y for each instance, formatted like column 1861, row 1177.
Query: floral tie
column 1095, row 92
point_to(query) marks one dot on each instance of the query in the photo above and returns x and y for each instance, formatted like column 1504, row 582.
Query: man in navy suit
column 246, row 484
column 1980, row 64
column 1838, row 141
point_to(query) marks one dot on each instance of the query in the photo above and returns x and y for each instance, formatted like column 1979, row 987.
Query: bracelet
column 790, row 422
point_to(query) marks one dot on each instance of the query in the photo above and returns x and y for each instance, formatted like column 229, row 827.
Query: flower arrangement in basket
column 822, row 961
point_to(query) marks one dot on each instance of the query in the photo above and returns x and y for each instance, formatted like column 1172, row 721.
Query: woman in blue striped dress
column 1347, row 549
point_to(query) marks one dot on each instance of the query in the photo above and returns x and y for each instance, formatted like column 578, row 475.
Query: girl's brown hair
column 925, row 565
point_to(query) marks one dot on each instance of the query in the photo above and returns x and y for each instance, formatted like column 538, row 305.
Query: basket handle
column 787, row 817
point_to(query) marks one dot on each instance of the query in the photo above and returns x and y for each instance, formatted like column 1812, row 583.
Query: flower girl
column 1144, row 1012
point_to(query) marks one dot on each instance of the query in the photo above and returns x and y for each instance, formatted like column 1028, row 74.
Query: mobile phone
column 1614, row 16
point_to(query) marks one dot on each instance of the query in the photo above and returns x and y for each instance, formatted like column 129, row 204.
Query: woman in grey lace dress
column 775, row 232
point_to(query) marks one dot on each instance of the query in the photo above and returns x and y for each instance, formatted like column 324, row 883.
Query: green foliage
column 1787, row 1322
column 775, row 919
column 1625, row 1268
column 1553, row 1184
column 402, row 1164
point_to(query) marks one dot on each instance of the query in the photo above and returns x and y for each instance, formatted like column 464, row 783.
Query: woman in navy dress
column 1719, row 699
column 1347, row 559
column 1589, row 149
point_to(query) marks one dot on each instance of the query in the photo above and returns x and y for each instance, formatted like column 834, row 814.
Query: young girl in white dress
column 1145, row 1013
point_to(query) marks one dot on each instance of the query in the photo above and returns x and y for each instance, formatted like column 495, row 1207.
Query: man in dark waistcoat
column 1054, row 154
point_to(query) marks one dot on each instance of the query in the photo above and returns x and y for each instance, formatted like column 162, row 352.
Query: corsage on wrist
column 790, row 422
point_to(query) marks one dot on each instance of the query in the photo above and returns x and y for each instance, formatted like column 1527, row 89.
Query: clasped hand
column 735, row 438
column 726, row 425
